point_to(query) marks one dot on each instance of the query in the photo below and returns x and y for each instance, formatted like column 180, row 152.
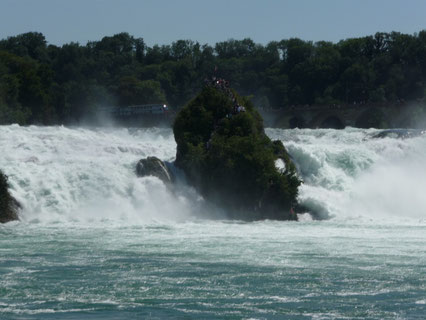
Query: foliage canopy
column 42, row 83
column 229, row 158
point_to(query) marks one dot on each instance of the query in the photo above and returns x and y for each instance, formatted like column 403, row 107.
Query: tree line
column 43, row 83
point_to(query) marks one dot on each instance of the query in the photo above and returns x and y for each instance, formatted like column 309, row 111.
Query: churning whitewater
column 95, row 241
column 357, row 174
column 82, row 175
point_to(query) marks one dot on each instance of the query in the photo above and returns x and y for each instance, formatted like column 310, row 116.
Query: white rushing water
column 96, row 242
column 78, row 174
column 353, row 175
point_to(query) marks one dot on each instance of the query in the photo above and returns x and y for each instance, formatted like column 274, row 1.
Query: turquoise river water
column 95, row 242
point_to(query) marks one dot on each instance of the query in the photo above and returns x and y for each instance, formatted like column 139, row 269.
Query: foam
column 87, row 175
column 349, row 174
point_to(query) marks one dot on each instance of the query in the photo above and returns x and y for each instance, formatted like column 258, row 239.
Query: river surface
column 96, row 242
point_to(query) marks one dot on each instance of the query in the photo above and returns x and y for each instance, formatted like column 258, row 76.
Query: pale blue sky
column 165, row 21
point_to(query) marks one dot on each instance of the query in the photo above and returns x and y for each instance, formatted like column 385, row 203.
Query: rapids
column 352, row 174
column 96, row 242
column 80, row 174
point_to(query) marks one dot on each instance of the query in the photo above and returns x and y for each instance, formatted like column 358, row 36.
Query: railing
column 142, row 109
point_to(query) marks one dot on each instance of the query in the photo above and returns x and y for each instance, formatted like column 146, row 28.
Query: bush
column 230, row 160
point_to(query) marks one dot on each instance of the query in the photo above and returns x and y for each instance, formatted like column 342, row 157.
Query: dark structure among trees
column 47, row 84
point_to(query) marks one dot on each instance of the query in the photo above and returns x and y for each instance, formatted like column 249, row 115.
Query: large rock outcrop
column 226, row 155
column 9, row 207
column 152, row 166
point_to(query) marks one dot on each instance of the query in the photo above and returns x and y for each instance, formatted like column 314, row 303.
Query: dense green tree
column 132, row 91
column 41, row 83
column 31, row 44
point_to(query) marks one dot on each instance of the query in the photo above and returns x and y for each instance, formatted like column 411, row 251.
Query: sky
column 165, row 21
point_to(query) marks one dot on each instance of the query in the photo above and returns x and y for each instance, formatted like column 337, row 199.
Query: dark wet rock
column 229, row 159
column 152, row 166
column 314, row 208
column 9, row 206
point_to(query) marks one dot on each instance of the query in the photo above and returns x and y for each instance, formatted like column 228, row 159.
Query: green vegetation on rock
column 227, row 156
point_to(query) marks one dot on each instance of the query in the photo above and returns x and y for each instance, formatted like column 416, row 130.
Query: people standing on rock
column 240, row 109
column 223, row 85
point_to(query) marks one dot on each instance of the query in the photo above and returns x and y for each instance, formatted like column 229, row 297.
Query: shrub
column 228, row 157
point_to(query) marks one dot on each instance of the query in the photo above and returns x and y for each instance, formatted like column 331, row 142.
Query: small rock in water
column 152, row 166
column 9, row 206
